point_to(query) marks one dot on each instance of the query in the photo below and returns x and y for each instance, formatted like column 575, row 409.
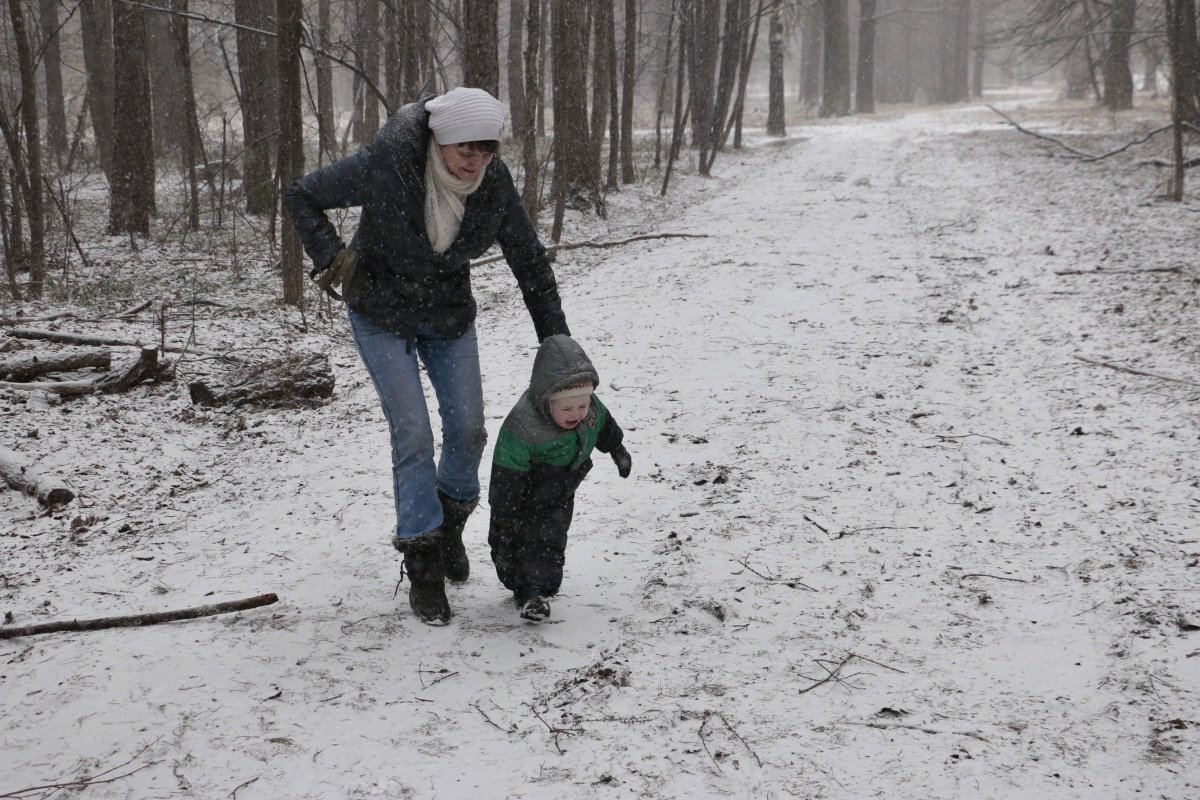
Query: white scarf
column 445, row 199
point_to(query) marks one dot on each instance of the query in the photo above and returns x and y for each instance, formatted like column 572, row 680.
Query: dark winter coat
column 400, row 281
column 537, row 466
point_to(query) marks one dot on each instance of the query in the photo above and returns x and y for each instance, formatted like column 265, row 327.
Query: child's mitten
column 623, row 460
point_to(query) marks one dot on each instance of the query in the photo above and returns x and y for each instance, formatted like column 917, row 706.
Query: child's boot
column 454, row 553
column 532, row 605
column 426, row 577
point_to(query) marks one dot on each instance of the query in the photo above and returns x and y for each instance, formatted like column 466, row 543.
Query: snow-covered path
column 886, row 534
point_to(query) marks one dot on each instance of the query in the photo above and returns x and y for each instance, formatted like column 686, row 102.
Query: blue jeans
column 453, row 369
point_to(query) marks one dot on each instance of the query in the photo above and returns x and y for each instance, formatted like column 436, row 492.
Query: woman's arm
column 340, row 185
column 526, row 258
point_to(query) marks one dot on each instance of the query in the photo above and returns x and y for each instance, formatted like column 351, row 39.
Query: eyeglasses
column 473, row 153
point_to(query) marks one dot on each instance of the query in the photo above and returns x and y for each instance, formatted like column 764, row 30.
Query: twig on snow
column 445, row 673
column 883, row 726
column 790, row 583
column 1132, row 371
column 233, row 794
column 945, row 438
column 704, row 742
column 849, row 531
column 995, row 577
column 738, row 736
column 820, row 527
column 833, row 673
column 879, row 663
column 53, row 788
column 489, row 719
column 556, row 732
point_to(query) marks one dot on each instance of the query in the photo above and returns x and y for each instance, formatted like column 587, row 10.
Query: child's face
column 567, row 412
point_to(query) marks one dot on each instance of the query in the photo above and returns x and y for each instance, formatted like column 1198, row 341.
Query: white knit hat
column 577, row 390
column 465, row 115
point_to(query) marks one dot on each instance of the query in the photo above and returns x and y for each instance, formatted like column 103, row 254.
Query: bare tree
column 602, row 79
column 187, row 125
column 96, row 24
column 812, row 39
column 864, row 94
column 27, row 165
column 257, row 73
column 835, row 97
column 326, row 130
column 530, row 194
column 56, row 109
column 628, row 78
column 1118, row 79
column 132, row 180
column 515, row 66
column 291, row 140
column 481, row 51
column 775, row 115
column 574, row 179
column 704, row 38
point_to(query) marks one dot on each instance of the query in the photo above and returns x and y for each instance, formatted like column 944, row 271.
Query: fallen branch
column 559, row 248
column 832, row 673
column 136, row 620
column 1132, row 371
column 993, row 577
column 1080, row 153
column 945, row 438
column 894, row 725
column 81, row 338
column 556, row 732
column 1118, row 271
column 48, row 488
column 820, row 527
column 876, row 528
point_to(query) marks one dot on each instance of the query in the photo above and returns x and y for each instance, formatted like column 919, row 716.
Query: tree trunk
column 679, row 119
column 661, row 103
column 530, row 192
column 835, row 99
column 775, row 112
column 481, row 50
column 613, row 182
column 298, row 381
column 516, row 70
column 257, row 67
column 812, row 38
column 732, row 39
column 31, row 163
column 628, row 78
column 56, row 109
column 1152, row 59
column 573, row 177
column 187, row 125
column 370, row 67
column 132, row 187
column 747, row 62
column 602, row 28
column 24, row 366
column 96, row 24
column 1118, row 79
column 326, row 129
column 981, row 10
column 414, row 35
column 393, row 64
column 864, row 95
column 704, row 39
column 291, row 140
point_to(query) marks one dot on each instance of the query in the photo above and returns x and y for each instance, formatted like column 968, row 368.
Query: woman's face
column 464, row 161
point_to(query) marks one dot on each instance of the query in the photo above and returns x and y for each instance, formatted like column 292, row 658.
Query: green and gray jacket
column 537, row 466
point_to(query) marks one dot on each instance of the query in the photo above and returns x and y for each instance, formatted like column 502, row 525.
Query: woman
column 434, row 195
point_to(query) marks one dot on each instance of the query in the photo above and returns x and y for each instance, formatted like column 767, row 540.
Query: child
column 542, row 455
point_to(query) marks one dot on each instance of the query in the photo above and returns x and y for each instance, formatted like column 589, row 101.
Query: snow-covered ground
column 902, row 521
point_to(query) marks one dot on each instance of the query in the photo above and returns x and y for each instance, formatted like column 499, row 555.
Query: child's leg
column 542, row 550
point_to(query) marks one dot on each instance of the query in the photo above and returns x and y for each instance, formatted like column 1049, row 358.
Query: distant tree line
column 233, row 99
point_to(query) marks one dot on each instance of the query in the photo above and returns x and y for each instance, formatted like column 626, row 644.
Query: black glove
column 338, row 273
column 623, row 460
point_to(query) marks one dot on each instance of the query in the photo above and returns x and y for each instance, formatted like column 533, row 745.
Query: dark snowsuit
column 536, row 468
column 401, row 282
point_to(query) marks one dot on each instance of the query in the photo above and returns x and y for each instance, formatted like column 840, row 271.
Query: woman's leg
column 453, row 367
column 393, row 369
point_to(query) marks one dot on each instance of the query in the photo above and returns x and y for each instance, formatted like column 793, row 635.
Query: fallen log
column 48, row 488
column 33, row 365
column 136, row 620
column 293, row 382
column 146, row 368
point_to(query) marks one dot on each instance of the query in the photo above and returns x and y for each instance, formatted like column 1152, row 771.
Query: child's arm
column 510, row 476
column 609, row 440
